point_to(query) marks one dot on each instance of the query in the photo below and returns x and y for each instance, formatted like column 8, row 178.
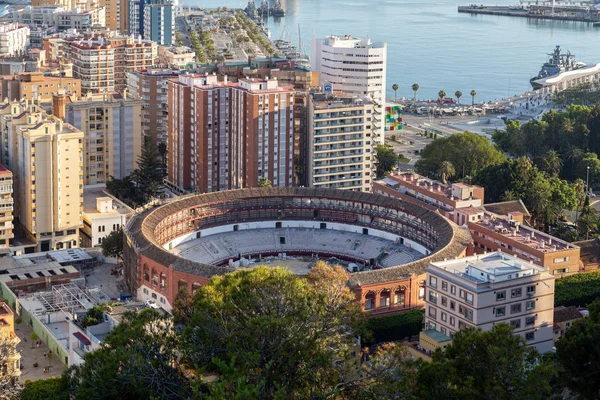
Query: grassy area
column 403, row 159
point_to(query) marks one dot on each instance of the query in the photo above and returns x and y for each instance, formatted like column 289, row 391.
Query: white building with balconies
column 487, row 289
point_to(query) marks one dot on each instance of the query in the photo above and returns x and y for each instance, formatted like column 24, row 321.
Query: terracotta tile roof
column 564, row 314
column 503, row 208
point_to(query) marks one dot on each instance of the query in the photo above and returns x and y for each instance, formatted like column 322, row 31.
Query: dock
column 578, row 14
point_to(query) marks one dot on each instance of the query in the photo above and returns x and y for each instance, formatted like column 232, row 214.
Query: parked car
column 151, row 304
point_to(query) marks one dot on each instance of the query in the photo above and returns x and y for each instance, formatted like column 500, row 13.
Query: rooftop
column 91, row 194
column 14, row 270
column 489, row 267
column 522, row 234
column 59, row 256
column 436, row 335
column 503, row 208
column 564, row 314
column 338, row 100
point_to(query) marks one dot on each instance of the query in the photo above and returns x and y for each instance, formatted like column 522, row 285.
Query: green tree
column 149, row 173
column 446, row 171
column 589, row 160
column 386, row 159
column 441, row 95
column 495, row 364
column 281, row 333
column 395, row 89
column 264, row 182
column 139, row 359
column 33, row 337
column 415, row 89
column 588, row 220
column 468, row 153
column 473, row 94
column 458, row 95
column 46, row 389
column 112, row 244
column 578, row 354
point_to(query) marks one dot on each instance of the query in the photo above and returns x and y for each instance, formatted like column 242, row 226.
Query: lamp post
column 587, row 181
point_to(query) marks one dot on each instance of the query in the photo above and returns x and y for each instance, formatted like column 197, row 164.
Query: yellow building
column 6, row 207
column 9, row 368
column 47, row 167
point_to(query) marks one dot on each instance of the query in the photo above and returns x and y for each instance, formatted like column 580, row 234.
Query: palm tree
column 441, row 95
column 473, row 94
column 415, row 89
column 458, row 95
column 510, row 195
column 555, row 163
column 395, row 89
column 446, row 171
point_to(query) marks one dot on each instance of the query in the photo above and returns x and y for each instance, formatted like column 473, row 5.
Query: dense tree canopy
column 467, row 152
column 112, row 245
column 386, row 159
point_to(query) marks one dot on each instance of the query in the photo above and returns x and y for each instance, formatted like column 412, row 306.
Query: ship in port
column 562, row 70
column 277, row 10
column 250, row 10
column 263, row 10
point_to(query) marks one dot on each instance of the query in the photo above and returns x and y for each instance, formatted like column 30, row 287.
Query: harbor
column 572, row 11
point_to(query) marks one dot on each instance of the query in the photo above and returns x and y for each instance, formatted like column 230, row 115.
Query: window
column 433, row 282
column 444, row 301
column 433, row 297
column 452, row 289
column 452, row 305
column 568, row 324
column 500, row 296
column 421, row 293
column 515, row 308
column 370, row 301
column 516, row 292
column 529, row 321
column 530, row 290
column 461, row 294
column 445, row 286
column 500, row 311
column 529, row 335
column 530, row 305
column 432, row 312
column 444, row 316
column 469, row 298
column 452, row 321
column 515, row 323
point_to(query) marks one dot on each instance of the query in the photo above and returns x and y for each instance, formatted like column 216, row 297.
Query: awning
column 81, row 337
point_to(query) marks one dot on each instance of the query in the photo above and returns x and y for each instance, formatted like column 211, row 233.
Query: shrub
column 577, row 290
column 396, row 327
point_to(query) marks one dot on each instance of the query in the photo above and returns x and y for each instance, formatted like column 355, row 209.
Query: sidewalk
column 30, row 356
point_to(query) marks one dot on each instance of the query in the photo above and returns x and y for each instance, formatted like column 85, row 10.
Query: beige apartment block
column 113, row 134
column 176, row 56
column 151, row 86
column 37, row 86
column 14, row 39
column 487, row 289
column 340, row 141
column 6, row 207
column 47, row 168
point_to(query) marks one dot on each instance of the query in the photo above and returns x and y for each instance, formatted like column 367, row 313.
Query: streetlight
column 587, row 181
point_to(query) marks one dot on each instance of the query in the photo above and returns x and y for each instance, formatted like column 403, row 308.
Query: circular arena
column 382, row 241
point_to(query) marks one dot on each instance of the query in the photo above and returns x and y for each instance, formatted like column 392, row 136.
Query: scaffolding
column 70, row 298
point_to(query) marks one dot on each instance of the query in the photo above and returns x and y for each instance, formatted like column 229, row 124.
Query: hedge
column 396, row 327
column 577, row 290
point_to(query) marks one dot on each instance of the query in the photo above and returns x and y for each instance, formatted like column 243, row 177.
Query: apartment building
column 112, row 128
column 136, row 15
column 159, row 20
column 152, row 87
column 14, row 39
column 112, row 13
column 6, row 207
column 61, row 17
column 10, row 363
column 340, row 141
column 239, row 132
column 47, row 161
column 37, row 86
column 511, row 235
column 410, row 186
column 354, row 66
column 102, row 63
column 176, row 56
column 487, row 289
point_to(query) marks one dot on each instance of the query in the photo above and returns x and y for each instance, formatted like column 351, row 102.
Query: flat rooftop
column 490, row 267
column 11, row 270
column 436, row 335
column 523, row 234
column 60, row 256
column 93, row 193
column 423, row 184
